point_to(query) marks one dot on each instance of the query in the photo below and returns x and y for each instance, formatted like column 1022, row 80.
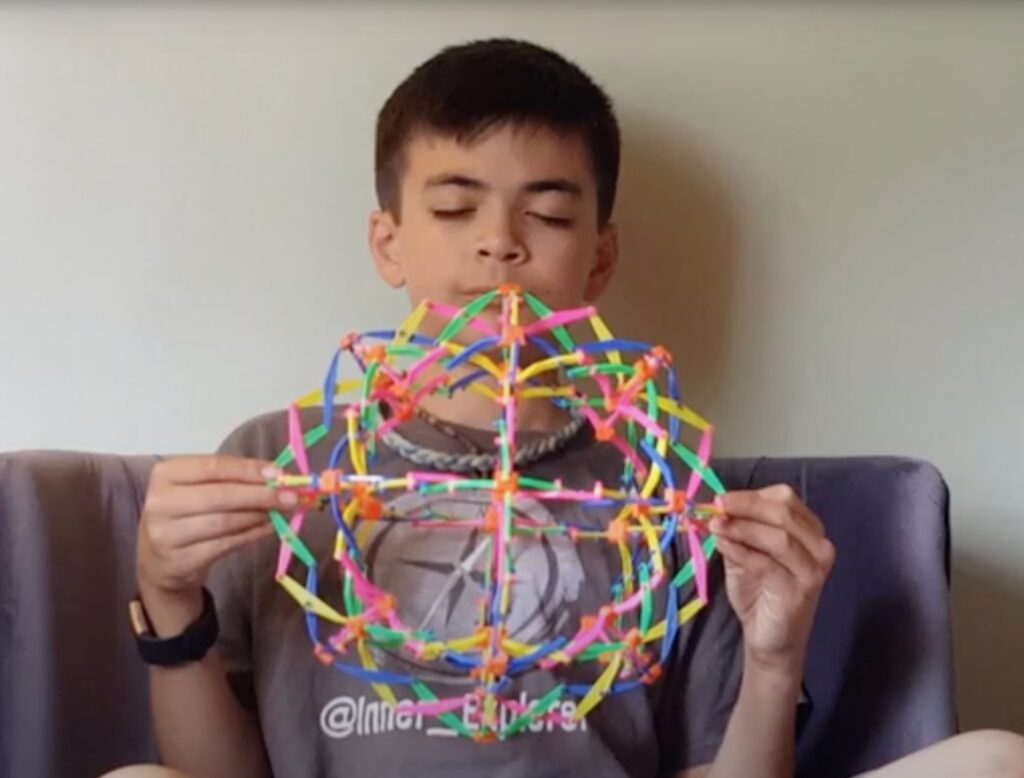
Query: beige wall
column 828, row 200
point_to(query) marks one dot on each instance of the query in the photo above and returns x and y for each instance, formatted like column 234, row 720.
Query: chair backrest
column 73, row 695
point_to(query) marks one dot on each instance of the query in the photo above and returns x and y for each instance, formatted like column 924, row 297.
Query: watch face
column 137, row 617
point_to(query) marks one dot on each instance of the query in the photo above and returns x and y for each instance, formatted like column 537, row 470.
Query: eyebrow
column 563, row 185
column 454, row 179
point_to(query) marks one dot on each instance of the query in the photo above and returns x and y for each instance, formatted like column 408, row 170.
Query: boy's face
column 518, row 205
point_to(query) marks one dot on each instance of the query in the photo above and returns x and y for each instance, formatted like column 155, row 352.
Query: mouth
column 468, row 297
column 472, row 294
column 494, row 306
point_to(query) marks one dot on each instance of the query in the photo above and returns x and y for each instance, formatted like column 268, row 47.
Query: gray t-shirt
column 319, row 721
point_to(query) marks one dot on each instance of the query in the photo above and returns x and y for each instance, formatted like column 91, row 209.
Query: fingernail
column 716, row 524
column 270, row 472
column 288, row 498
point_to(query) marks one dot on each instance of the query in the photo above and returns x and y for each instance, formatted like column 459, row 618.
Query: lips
column 472, row 294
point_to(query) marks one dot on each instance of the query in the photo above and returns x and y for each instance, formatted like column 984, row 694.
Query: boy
column 496, row 163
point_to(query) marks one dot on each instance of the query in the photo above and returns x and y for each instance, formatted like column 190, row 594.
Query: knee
column 144, row 771
column 1000, row 753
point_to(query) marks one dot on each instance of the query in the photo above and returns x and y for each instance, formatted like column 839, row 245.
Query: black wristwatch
column 190, row 646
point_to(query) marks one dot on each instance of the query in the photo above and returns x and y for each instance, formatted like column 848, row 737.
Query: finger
column 774, row 504
column 202, row 555
column 199, row 529
column 813, row 531
column 767, row 571
column 203, row 498
column 783, row 547
column 213, row 468
column 787, row 495
column 748, row 559
column 783, row 509
column 752, row 506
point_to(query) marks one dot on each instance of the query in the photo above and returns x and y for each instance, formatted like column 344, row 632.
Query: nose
column 499, row 242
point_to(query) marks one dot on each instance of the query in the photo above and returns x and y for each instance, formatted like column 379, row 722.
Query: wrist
column 171, row 612
column 781, row 673
column 771, row 694
column 171, row 644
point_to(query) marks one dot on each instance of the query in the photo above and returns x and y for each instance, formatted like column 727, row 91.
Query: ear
column 606, row 258
column 383, row 240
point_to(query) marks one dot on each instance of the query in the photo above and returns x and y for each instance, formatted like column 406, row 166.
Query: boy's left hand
column 776, row 560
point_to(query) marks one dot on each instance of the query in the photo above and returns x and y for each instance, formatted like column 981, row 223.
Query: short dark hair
column 464, row 90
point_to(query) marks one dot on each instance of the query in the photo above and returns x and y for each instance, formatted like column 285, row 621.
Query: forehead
column 503, row 156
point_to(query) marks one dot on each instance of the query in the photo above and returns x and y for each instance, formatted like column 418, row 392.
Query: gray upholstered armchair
column 73, row 695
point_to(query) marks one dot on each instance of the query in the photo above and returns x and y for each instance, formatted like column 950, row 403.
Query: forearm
column 759, row 740
column 200, row 727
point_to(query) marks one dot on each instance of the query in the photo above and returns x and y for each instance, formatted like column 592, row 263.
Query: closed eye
column 554, row 221
column 455, row 213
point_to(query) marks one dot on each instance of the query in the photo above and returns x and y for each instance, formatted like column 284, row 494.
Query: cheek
column 426, row 252
column 565, row 255
column 558, row 244
column 419, row 236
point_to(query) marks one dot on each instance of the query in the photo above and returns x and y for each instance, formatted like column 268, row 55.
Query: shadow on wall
column 674, row 284
column 988, row 618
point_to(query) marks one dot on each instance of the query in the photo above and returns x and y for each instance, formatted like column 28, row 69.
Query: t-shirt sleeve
column 702, row 682
column 231, row 579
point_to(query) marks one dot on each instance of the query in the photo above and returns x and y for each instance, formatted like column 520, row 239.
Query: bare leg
column 986, row 753
column 144, row 771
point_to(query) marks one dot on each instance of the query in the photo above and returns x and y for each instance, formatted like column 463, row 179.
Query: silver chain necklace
column 477, row 461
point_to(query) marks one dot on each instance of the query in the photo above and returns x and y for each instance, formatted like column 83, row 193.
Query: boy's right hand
column 197, row 510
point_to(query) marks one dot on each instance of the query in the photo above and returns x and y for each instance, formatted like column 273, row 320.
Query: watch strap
column 189, row 646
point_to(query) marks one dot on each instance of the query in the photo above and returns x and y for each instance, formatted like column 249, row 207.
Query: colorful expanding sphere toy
column 624, row 642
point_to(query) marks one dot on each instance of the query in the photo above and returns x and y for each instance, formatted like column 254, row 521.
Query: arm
column 759, row 738
column 200, row 727
column 776, row 560
column 198, row 509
